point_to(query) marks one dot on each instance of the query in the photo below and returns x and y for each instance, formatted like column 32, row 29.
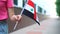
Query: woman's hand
column 15, row 17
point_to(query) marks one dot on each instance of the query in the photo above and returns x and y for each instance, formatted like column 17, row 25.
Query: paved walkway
column 49, row 26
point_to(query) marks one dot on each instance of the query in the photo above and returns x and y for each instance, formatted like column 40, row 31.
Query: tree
column 58, row 7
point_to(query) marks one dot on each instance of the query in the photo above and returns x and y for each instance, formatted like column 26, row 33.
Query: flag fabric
column 30, row 11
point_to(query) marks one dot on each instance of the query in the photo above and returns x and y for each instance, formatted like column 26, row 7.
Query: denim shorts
column 3, row 27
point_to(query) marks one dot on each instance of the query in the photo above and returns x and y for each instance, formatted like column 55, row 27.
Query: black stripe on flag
column 29, row 14
column 37, row 22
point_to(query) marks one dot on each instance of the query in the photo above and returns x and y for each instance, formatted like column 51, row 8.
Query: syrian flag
column 30, row 11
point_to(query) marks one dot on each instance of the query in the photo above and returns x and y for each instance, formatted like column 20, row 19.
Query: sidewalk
column 49, row 26
column 24, row 22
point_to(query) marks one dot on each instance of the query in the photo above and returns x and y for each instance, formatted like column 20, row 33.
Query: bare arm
column 11, row 12
column 12, row 15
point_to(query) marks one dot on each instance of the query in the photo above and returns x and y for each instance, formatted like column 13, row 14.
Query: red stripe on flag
column 30, row 3
column 35, row 13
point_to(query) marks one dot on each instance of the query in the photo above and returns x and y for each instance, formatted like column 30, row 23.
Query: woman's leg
column 3, row 27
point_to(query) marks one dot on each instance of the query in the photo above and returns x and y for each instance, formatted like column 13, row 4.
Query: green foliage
column 58, row 7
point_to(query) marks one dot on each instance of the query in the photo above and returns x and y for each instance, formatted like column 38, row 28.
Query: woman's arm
column 12, row 15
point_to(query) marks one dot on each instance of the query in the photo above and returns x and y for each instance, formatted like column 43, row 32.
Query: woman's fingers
column 19, row 17
column 15, row 17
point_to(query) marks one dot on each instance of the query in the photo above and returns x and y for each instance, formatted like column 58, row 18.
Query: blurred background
column 49, row 17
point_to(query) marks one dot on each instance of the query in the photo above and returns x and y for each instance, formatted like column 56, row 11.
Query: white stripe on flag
column 37, row 18
column 29, row 8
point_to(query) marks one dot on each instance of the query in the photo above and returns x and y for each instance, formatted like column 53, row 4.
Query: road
column 48, row 26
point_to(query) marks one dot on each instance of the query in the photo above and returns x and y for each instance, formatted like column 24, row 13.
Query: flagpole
column 15, row 25
column 17, row 21
column 23, row 8
column 21, row 15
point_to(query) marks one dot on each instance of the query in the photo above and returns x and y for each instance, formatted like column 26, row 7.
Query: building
column 21, row 3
